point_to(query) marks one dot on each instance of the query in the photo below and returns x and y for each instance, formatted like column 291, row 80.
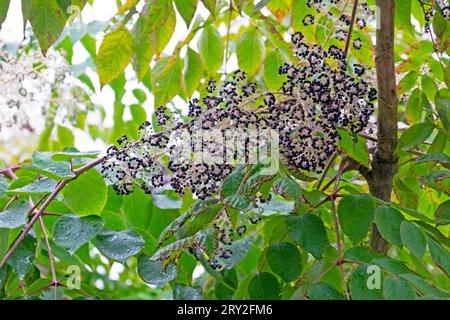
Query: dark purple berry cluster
column 321, row 94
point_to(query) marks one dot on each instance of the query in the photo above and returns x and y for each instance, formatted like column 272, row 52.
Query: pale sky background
column 103, row 11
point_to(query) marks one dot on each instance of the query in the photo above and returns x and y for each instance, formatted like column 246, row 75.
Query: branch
column 335, row 23
column 387, row 87
column 384, row 164
column 352, row 23
column 336, row 223
column 10, row 172
column 47, row 202
column 49, row 248
column 228, row 38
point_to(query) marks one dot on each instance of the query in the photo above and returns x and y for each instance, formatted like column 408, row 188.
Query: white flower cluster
column 35, row 88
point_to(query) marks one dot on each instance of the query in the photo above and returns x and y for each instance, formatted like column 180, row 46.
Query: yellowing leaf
column 114, row 54
column 279, row 8
column 152, row 32
column 127, row 6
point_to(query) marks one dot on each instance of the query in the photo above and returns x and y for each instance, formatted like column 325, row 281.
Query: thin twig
column 336, row 221
column 47, row 244
column 50, row 255
column 335, row 23
column 350, row 30
column 10, row 172
column 228, row 38
column 34, row 206
column 327, row 168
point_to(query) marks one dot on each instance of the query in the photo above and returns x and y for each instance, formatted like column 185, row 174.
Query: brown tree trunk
column 384, row 165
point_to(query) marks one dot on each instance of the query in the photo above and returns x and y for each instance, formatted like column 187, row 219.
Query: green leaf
column 423, row 286
column 166, row 79
column 70, row 154
column 87, row 194
column 119, row 245
column 442, row 214
column 438, row 175
column 26, row 12
column 225, row 287
column 231, row 184
column 398, row 289
column 187, row 9
column 443, row 107
column 114, row 221
column 403, row 16
column 288, row 188
column 4, row 242
column 114, row 54
column 152, row 32
column 324, row 291
column 211, row 49
column 392, row 266
column 416, row 135
column 440, row 255
column 4, row 6
column 166, row 201
column 3, row 273
column 408, row 82
column 413, row 238
column 357, row 150
column 239, row 249
column 14, row 216
column 250, row 51
column 285, row 260
column 181, row 292
column 440, row 25
column 65, row 136
column 272, row 64
column 39, row 187
column 360, row 254
column 308, row 230
column 210, row 5
column 153, row 272
column 434, row 232
column 22, row 258
column 429, row 87
column 264, row 286
column 58, row 170
column 71, row 232
column 237, row 201
column 48, row 18
column 414, row 107
column 137, row 208
column 447, row 75
column 4, row 185
column 358, row 285
column 140, row 95
column 442, row 158
column 356, row 213
column 193, row 73
column 201, row 218
column 388, row 221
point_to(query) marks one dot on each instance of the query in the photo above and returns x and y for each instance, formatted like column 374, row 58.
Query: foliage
column 303, row 232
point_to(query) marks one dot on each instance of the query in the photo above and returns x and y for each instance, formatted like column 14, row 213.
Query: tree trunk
column 384, row 165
